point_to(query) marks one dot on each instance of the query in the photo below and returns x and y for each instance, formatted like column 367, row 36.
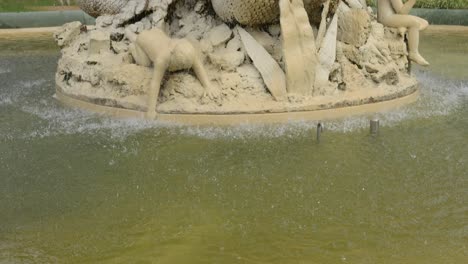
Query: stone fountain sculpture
column 170, row 57
column 394, row 13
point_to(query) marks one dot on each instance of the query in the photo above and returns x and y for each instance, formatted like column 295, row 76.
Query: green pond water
column 81, row 188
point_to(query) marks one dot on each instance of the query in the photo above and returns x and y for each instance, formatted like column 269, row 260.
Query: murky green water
column 79, row 188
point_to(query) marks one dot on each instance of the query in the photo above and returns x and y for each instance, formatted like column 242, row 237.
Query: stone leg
column 200, row 71
column 159, row 70
column 139, row 55
column 413, row 24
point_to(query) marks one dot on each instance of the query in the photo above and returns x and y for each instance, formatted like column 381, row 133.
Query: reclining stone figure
column 166, row 54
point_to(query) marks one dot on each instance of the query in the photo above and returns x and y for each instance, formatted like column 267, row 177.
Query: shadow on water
column 82, row 188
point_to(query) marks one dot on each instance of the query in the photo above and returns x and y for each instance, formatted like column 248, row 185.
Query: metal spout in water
column 374, row 126
column 319, row 131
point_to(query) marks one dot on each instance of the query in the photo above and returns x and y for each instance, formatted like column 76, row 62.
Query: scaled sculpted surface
column 96, row 8
column 204, row 56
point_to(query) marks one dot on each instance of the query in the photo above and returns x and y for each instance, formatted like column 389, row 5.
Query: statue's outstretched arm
column 200, row 71
column 403, row 9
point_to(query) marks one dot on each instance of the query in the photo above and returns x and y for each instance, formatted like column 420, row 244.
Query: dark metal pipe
column 319, row 131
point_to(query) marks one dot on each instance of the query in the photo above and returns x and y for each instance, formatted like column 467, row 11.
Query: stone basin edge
column 341, row 109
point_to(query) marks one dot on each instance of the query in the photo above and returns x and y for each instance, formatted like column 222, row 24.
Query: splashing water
column 439, row 97
column 77, row 187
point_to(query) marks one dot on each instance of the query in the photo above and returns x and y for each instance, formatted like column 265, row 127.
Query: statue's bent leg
column 139, row 55
column 423, row 24
column 413, row 24
column 160, row 67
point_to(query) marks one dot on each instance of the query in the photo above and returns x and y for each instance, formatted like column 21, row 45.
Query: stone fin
column 299, row 49
column 327, row 56
column 271, row 72
column 323, row 23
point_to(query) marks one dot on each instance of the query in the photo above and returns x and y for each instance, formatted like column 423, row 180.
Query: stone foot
column 417, row 58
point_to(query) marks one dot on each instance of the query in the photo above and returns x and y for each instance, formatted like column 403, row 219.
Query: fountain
column 219, row 61
column 76, row 187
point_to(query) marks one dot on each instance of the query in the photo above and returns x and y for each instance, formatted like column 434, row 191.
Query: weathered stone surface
column 326, row 57
column 220, row 35
column 354, row 27
column 184, row 84
column 67, row 33
column 353, row 78
column 264, row 39
column 299, row 50
column 119, row 47
column 271, row 72
column 227, row 59
column 103, row 72
column 235, row 44
column 104, row 21
column 381, row 73
column 99, row 41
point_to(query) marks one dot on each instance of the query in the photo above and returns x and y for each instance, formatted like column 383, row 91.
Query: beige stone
column 227, row 59
column 271, row 72
column 241, row 82
column 264, row 39
column 67, row 33
column 235, row 44
column 99, row 41
column 353, row 78
column 299, row 49
column 220, row 35
column 326, row 57
column 354, row 27
column 323, row 23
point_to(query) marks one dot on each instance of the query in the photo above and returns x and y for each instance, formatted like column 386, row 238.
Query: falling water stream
column 76, row 187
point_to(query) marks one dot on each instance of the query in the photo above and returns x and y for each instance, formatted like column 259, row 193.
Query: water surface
column 81, row 188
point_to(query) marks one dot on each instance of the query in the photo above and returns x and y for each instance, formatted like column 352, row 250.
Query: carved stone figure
column 262, row 56
column 166, row 54
column 394, row 13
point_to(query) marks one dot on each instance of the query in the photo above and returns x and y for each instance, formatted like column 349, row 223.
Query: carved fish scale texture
column 257, row 12
column 247, row 12
column 96, row 8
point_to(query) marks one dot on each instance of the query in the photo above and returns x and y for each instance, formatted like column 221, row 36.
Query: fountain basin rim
column 246, row 118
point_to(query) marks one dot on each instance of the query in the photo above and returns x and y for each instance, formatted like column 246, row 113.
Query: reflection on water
column 448, row 54
column 27, row 43
column 80, row 188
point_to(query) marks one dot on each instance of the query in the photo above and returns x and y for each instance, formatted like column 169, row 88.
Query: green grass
column 24, row 5
column 442, row 4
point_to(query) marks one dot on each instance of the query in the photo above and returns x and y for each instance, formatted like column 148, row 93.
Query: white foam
column 19, row 91
column 3, row 71
column 438, row 97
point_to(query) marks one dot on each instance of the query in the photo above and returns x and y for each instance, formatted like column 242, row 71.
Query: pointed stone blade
column 271, row 72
